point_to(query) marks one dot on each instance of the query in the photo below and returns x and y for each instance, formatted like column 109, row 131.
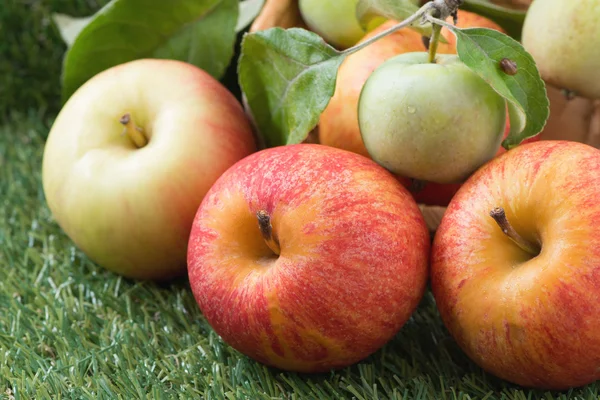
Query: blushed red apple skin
column 353, row 263
column 531, row 322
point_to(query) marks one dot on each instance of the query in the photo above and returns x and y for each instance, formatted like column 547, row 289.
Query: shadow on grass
column 421, row 361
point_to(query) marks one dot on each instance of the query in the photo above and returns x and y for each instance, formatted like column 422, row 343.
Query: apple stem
column 433, row 42
column 134, row 132
column 403, row 24
column 441, row 8
column 499, row 216
column 264, row 223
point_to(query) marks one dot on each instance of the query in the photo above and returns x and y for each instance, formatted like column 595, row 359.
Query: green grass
column 71, row 330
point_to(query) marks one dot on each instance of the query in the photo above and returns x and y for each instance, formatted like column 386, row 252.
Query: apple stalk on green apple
column 130, row 157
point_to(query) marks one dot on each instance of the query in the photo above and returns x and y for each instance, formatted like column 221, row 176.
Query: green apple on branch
column 407, row 95
column 288, row 77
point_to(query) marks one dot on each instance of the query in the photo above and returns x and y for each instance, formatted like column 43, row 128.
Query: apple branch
column 435, row 10
column 134, row 132
column 264, row 223
column 499, row 216
column 446, row 8
column 441, row 9
column 403, row 24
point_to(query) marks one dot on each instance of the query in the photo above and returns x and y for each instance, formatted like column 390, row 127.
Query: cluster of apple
column 310, row 257
column 566, row 50
column 383, row 70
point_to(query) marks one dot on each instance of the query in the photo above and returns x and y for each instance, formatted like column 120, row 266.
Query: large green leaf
column 200, row 32
column 483, row 50
column 288, row 77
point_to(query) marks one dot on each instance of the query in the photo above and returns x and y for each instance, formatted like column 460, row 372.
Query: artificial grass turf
column 71, row 330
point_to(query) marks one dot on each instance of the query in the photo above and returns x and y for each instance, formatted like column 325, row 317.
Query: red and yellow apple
column 130, row 157
column 308, row 258
column 524, row 305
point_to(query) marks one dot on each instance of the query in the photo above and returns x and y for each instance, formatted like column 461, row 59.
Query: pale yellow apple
column 563, row 37
column 130, row 206
column 334, row 20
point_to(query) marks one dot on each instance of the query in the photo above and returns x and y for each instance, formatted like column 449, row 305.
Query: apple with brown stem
column 515, row 266
column 308, row 258
column 130, row 157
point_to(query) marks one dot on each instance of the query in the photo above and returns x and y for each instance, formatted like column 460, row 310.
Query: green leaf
column 510, row 20
column 288, row 77
column 200, row 32
column 398, row 10
column 70, row 27
column 249, row 10
column 482, row 50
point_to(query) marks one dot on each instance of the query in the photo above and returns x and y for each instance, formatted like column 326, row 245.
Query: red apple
column 130, row 157
column 525, row 305
column 308, row 258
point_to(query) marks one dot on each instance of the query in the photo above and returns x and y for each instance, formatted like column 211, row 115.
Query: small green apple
column 436, row 122
column 334, row 20
column 563, row 37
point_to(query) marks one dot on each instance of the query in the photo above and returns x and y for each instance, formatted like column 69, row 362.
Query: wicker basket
column 576, row 119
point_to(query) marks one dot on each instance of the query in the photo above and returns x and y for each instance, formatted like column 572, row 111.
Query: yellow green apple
column 563, row 37
column 130, row 157
column 334, row 20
